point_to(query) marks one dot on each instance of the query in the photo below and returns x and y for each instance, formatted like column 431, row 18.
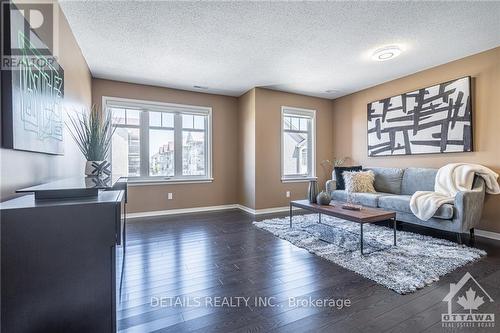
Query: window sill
column 298, row 179
column 144, row 182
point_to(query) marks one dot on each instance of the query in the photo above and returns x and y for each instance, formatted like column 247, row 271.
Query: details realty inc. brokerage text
column 248, row 301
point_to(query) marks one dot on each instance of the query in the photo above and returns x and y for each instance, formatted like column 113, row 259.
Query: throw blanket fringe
column 451, row 179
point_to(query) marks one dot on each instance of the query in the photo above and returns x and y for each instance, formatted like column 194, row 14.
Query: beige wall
column 350, row 124
column 223, row 190
column 269, row 189
column 246, row 149
column 20, row 169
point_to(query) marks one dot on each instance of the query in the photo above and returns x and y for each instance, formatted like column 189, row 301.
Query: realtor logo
column 466, row 301
column 29, row 29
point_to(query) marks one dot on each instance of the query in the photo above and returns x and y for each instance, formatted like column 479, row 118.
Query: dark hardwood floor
column 197, row 257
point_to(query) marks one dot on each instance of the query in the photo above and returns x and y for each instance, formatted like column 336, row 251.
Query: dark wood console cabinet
column 59, row 262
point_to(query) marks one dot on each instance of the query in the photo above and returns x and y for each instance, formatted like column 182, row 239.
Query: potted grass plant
column 323, row 197
column 92, row 132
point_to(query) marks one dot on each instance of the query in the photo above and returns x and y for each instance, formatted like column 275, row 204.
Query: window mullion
column 144, row 137
column 178, row 145
column 310, row 148
column 207, row 149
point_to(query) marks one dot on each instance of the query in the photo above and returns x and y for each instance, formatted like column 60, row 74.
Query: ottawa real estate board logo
column 468, row 305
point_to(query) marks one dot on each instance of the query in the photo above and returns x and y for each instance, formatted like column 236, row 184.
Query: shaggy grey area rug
column 415, row 262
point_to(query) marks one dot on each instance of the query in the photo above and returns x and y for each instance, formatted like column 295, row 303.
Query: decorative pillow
column 338, row 175
column 361, row 181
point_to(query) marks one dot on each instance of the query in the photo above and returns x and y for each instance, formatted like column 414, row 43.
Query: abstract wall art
column 437, row 119
column 32, row 91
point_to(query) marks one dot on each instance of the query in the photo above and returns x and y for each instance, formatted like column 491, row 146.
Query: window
column 297, row 143
column 157, row 141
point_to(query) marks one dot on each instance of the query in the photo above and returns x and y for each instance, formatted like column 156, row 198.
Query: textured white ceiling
column 303, row 47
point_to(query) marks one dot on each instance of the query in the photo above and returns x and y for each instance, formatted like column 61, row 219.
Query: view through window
column 169, row 143
column 297, row 143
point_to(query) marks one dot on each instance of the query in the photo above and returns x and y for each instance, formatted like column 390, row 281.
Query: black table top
column 76, row 183
column 29, row 201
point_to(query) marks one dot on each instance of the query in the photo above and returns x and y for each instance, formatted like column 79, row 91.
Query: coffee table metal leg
column 394, row 225
column 319, row 217
column 291, row 215
column 361, row 238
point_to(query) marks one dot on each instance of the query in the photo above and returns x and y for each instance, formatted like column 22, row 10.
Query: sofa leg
column 471, row 238
column 459, row 238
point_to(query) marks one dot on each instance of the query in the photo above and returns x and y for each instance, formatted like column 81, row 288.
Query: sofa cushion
column 418, row 179
column 338, row 174
column 365, row 199
column 388, row 180
column 401, row 203
column 359, row 181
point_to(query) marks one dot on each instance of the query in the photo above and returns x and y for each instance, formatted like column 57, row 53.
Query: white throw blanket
column 451, row 179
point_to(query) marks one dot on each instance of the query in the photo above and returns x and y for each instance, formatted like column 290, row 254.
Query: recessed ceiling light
column 200, row 87
column 386, row 53
column 331, row 91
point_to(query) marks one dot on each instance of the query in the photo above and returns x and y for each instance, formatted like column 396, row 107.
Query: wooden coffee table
column 365, row 215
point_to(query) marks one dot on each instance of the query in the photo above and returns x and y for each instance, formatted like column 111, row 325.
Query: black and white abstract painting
column 436, row 119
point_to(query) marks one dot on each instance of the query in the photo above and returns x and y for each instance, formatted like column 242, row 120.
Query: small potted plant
column 330, row 165
column 92, row 132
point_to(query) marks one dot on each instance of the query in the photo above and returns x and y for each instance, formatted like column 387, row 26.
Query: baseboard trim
column 266, row 210
column 181, row 211
column 209, row 209
column 487, row 234
column 246, row 209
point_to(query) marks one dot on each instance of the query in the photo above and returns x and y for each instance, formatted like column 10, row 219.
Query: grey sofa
column 395, row 187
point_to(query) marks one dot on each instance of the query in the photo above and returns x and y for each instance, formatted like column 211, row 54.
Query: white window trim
column 108, row 101
column 136, row 181
column 300, row 112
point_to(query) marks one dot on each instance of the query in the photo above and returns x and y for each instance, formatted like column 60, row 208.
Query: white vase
column 97, row 168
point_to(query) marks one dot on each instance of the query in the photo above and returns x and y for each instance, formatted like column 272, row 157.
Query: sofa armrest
column 469, row 206
column 331, row 185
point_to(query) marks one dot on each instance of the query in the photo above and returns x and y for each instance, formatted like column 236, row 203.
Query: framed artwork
column 437, row 119
column 32, row 89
